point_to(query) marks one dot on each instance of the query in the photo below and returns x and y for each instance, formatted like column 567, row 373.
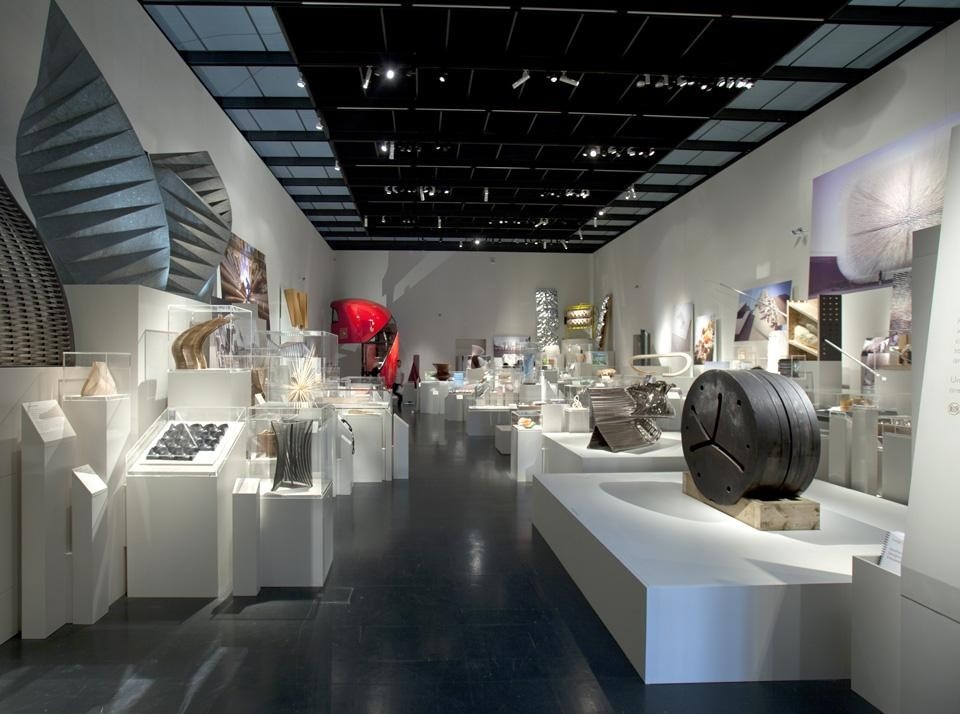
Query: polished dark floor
column 441, row 599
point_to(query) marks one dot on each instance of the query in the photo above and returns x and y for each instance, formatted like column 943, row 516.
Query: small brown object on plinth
column 782, row 514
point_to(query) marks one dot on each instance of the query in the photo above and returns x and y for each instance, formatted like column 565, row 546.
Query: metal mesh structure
column 548, row 317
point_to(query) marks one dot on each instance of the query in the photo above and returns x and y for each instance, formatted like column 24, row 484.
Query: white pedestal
column 692, row 595
column 433, row 396
column 501, row 439
column 91, row 546
column 568, row 453
column 372, row 459
column 875, row 635
column 343, row 485
column 103, row 427
column 928, row 659
column 48, row 455
column 864, row 451
column 401, row 448
column 526, row 452
column 838, row 468
column 296, row 536
column 482, row 420
column 409, row 394
column 529, row 393
column 209, row 388
column 896, row 469
column 180, row 529
column 246, row 537
column 576, row 420
column 455, row 406
column 551, row 417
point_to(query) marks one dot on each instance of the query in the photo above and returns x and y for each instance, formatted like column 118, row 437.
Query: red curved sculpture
column 365, row 322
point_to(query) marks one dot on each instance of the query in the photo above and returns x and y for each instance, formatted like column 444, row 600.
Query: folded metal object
column 624, row 435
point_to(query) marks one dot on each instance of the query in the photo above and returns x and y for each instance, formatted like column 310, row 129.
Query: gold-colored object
column 188, row 346
column 267, row 443
column 606, row 372
column 304, row 378
column 296, row 307
column 99, row 382
column 579, row 320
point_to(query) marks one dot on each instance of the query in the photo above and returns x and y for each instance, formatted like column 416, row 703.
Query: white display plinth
column 432, row 396
column 551, row 417
column 343, row 485
column 456, row 405
column 180, row 527
column 568, row 453
column 209, row 388
column 104, row 426
column 530, row 393
column 246, row 537
column 48, row 456
column 875, row 635
column 401, row 448
column 373, row 444
column 692, row 595
column 91, row 546
column 296, row 535
column 526, row 452
column 482, row 420
column 896, row 466
column 576, row 420
column 501, row 439
column 838, row 465
column 864, row 451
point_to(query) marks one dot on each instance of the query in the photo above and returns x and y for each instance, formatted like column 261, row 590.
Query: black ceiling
column 449, row 153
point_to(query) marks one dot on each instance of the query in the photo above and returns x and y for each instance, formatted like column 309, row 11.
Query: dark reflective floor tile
column 514, row 696
column 581, row 697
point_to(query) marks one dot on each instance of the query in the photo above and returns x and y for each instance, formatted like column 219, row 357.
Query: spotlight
column 392, row 148
column 564, row 244
column 594, row 221
column 383, row 219
column 386, row 190
column 446, row 192
column 319, row 124
column 420, row 190
column 748, row 84
column 704, row 86
column 523, row 78
column 585, row 193
column 439, row 222
column 486, row 195
column 644, row 81
column 366, row 77
column 579, row 234
column 631, row 152
column 681, row 81
column 442, row 78
column 651, row 152
column 300, row 82
column 544, row 244
column 601, row 211
column 364, row 221
column 476, row 241
column 593, row 152
column 390, row 73
column 553, row 78
column 461, row 244
column 336, row 165
column 384, row 147
column 568, row 80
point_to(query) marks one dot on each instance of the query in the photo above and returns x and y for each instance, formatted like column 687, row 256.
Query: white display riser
column 568, row 453
column 134, row 319
column 343, row 482
column 91, row 551
column 864, row 451
column 103, row 427
column 246, row 537
column 401, row 448
column 296, row 536
column 456, row 405
column 838, row 466
column 526, row 453
column 692, row 595
column 576, row 420
column 209, row 388
column 432, row 397
column 896, row 466
column 482, row 420
column 48, row 452
column 930, row 650
column 875, row 635
column 180, row 530
column 551, row 417
column 373, row 440
column 502, row 439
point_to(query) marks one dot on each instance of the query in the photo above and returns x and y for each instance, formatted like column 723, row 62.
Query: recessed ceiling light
column 442, row 77
column 553, row 78
column 593, row 153
column 390, row 73
column 300, row 82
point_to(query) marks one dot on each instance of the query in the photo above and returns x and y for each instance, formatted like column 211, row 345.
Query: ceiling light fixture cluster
column 583, row 193
column 664, row 81
column 552, row 77
column 391, row 148
column 423, row 191
column 616, row 152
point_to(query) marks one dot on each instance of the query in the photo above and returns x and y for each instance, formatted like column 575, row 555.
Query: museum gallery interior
column 471, row 357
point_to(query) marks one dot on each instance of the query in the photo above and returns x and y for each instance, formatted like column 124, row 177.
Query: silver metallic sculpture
column 548, row 317
column 85, row 175
column 603, row 321
column 293, row 468
column 31, row 296
column 107, row 212
column 623, row 417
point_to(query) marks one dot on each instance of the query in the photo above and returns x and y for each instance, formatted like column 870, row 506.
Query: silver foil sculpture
column 35, row 327
column 623, row 417
column 548, row 317
column 603, row 321
column 294, row 453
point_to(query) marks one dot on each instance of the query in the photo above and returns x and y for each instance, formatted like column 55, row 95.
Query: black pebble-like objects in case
column 749, row 433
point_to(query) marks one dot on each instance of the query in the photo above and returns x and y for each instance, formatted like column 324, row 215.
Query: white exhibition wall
column 438, row 297
column 736, row 228
column 171, row 111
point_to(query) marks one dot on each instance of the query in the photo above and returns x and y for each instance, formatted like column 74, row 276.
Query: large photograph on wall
column 508, row 347
column 762, row 311
column 705, row 339
column 865, row 213
column 243, row 277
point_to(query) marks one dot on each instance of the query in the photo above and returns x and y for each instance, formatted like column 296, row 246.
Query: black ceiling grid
column 500, row 126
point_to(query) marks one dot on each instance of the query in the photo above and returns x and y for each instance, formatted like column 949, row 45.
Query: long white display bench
column 692, row 595
column 568, row 453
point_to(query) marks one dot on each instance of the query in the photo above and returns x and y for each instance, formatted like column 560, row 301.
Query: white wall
column 735, row 229
column 438, row 297
column 171, row 111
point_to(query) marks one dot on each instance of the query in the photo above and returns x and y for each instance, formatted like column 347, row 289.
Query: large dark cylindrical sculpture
column 749, row 434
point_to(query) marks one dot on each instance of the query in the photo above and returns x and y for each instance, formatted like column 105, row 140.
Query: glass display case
column 292, row 445
column 298, row 373
column 316, row 343
column 526, row 418
column 95, row 375
column 210, row 336
column 187, row 439
column 530, row 364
